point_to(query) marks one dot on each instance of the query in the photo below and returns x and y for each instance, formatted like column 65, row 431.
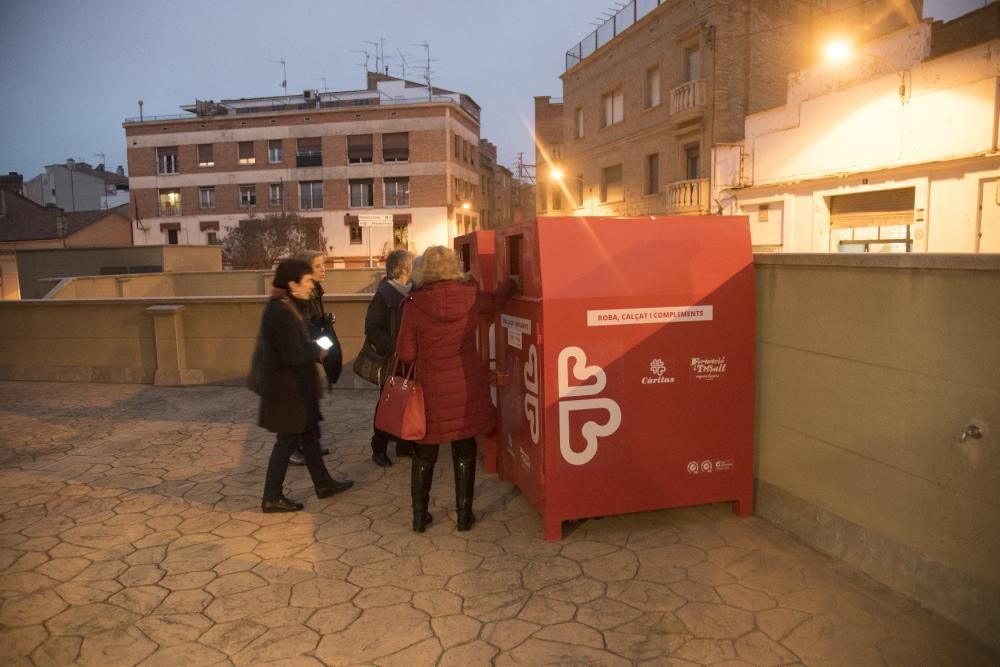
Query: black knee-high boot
column 463, row 455
column 421, row 477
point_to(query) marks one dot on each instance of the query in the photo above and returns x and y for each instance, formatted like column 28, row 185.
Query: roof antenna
column 284, row 74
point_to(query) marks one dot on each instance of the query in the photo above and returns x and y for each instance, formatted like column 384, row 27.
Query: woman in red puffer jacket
column 438, row 334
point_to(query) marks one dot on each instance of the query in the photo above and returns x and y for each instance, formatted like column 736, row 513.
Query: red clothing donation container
column 476, row 256
column 626, row 366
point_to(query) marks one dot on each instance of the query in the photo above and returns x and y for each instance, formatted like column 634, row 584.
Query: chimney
column 61, row 224
column 120, row 170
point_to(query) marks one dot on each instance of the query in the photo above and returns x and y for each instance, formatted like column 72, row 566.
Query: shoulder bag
column 400, row 410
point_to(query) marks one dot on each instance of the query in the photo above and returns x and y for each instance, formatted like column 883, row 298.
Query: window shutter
column 873, row 209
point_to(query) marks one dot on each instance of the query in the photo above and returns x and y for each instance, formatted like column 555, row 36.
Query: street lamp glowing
column 556, row 174
column 838, row 51
column 466, row 205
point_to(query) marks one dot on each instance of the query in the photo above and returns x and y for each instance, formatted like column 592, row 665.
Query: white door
column 989, row 217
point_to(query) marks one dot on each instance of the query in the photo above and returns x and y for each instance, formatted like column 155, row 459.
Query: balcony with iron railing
column 688, row 196
column 687, row 99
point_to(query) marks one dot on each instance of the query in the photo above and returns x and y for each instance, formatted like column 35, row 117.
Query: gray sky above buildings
column 72, row 70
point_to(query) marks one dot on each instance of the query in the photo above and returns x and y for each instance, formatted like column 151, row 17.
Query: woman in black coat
column 381, row 326
column 289, row 403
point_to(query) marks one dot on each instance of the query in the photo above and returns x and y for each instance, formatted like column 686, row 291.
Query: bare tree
column 259, row 243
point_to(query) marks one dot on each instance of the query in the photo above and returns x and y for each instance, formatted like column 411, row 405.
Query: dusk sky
column 73, row 70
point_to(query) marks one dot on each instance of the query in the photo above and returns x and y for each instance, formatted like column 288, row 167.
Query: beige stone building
column 25, row 225
column 395, row 148
column 648, row 95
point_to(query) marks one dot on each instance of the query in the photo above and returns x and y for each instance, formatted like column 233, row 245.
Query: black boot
column 421, row 477
column 380, row 446
column 463, row 455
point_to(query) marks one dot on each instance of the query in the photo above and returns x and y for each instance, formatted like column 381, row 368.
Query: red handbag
column 400, row 410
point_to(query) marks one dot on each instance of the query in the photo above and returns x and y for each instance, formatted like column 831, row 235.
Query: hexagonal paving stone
column 278, row 644
column 715, row 621
column 90, row 619
column 540, row 652
column 120, row 646
column 455, row 630
column 31, row 609
column 437, row 603
column 472, row 653
column 377, row 633
column 171, row 629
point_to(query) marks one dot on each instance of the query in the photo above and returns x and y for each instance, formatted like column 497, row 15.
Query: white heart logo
column 581, row 372
column 591, row 430
column 531, row 413
column 531, row 370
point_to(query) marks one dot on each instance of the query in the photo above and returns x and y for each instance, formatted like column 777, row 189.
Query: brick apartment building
column 395, row 148
column 496, row 188
column 648, row 95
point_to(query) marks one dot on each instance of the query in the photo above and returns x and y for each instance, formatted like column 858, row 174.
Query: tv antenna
column 368, row 58
column 284, row 74
column 427, row 68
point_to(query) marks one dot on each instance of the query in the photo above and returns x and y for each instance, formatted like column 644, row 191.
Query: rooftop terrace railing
column 611, row 28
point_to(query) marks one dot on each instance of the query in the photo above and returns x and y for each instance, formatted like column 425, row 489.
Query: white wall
column 848, row 131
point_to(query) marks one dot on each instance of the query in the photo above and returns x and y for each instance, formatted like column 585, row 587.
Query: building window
column 309, row 153
column 396, row 147
column 248, row 196
column 692, row 161
column 205, row 158
column 614, row 106
column 652, row 87
column 275, row 195
column 170, row 202
column 692, row 63
column 206, row 197
column 359, row 149
column 245, row 152
column 355, row 233
column 612, row 188
column 397, row 192
column 653, row 174
column 762, row 212
column 362, row 192
column 172, row 237
column 543, row 197
column 456, row 142
column 274, row 151
column 311, row 195
column 166, row 160
column 579, row 123
column 556, row 197
column 579, row 190
column 212, row 238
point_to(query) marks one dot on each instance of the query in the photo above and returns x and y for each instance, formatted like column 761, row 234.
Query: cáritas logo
column 658, row 370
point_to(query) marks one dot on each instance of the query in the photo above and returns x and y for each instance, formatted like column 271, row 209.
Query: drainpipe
column 61, row 226
column 996, row 113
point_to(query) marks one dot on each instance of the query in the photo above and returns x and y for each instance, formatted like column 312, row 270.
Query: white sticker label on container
column 518, row 324
column 514, row 338
column 619, row 316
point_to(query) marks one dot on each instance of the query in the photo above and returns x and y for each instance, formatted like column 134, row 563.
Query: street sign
column 375, row 220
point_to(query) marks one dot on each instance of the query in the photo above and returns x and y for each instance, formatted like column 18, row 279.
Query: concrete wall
column 870, row 370
column 201, row 283
column 36, row 265
column 194, row 340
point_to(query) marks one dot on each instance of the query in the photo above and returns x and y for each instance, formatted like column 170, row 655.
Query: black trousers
column 277, row 466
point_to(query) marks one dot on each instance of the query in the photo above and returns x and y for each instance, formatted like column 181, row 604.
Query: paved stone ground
column 131, row 534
